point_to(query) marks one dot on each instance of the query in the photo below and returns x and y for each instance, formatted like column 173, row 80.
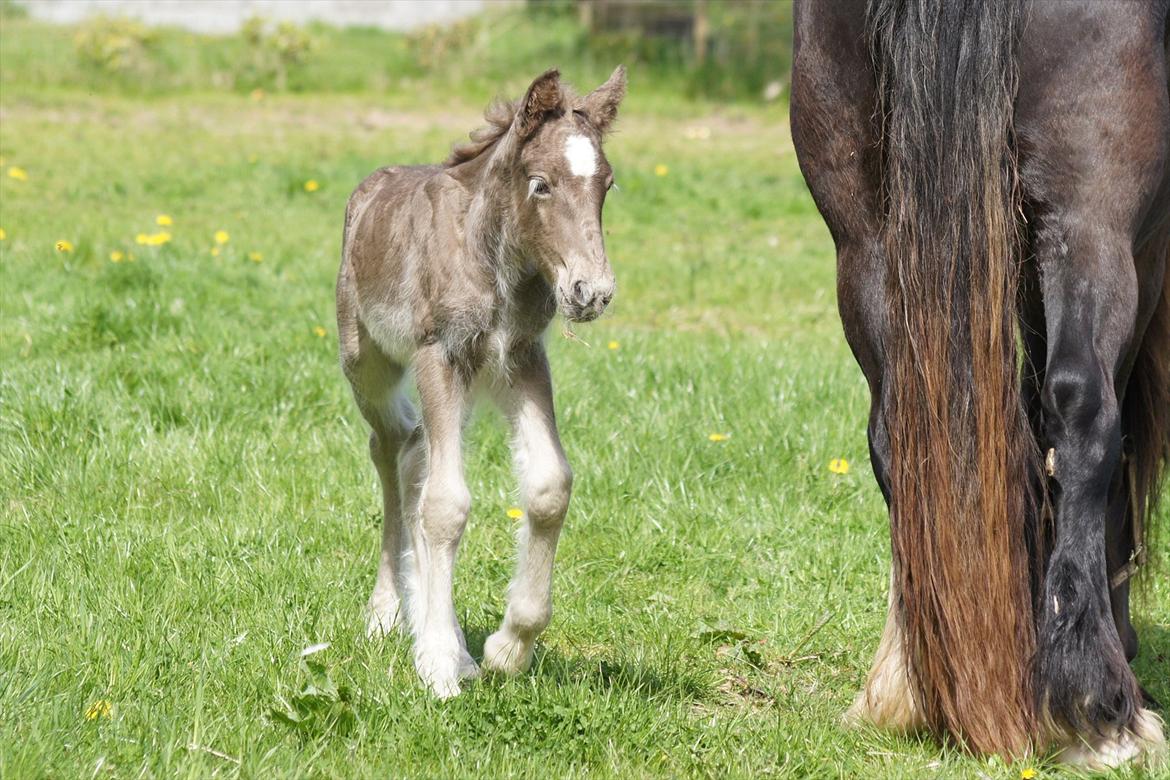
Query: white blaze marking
column 582, row 155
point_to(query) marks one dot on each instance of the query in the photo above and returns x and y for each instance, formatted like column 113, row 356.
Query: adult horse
column 996, row 179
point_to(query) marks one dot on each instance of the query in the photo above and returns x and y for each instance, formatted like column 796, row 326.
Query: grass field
column 186, row 501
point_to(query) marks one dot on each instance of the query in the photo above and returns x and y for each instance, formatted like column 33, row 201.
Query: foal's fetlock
column 509, row 650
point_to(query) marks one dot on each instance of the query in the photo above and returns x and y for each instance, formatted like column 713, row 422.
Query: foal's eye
column 538, row 187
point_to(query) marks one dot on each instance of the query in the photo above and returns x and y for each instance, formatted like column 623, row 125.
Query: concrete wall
column 226, row 16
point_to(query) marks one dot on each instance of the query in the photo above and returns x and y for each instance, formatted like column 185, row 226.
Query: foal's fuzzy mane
column 499, row 116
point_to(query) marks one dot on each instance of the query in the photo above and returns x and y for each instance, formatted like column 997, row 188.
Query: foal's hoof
column 503, row 652
column 442, row 671
column 1144, row 745
column 380, row 623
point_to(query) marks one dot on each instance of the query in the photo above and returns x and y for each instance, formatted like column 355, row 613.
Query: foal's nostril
column 605, row 299
column 580, row 293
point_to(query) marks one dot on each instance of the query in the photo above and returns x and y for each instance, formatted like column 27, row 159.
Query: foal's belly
column 488, row 351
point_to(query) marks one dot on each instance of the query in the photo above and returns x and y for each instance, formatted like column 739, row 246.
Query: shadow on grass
column 604, row 675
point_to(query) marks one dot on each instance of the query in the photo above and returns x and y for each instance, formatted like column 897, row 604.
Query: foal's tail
column 962, row 453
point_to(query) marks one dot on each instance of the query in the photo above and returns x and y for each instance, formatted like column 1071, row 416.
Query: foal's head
column 556, row 177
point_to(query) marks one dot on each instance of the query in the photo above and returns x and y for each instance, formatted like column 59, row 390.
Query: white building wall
column 226, row 16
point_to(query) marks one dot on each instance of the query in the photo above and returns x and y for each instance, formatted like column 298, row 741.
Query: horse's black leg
column 1093, row 124
column 833, row 97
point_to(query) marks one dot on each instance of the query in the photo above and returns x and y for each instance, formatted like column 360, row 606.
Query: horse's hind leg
column 833, row 96
column 545, row 482
column 1092, row 149
column 1087, row 689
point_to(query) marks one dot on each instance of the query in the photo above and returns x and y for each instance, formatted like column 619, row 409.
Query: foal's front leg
column 545, row 484
column 440, row 656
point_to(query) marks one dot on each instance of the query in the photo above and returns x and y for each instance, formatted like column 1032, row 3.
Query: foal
column 455, row 271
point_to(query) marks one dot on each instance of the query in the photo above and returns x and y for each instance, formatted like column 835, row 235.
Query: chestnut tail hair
column 962, row 454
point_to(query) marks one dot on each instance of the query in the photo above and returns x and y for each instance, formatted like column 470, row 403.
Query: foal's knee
column 444, row 509
column 548, row 495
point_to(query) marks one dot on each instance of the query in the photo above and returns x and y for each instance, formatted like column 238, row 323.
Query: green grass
column 187, row 502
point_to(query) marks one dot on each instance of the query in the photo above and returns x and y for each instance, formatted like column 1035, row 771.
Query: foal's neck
column 490, row 222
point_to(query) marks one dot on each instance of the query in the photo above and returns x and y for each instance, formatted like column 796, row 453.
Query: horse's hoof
column 1143, row 744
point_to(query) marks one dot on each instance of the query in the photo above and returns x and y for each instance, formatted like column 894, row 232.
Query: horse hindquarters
column 833, row 98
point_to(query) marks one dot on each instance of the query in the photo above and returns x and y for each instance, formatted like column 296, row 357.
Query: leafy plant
column 320, row 706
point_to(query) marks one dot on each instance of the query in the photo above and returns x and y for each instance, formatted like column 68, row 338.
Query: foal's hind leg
column 545, row 482
column 384, row 611
column 375, row 380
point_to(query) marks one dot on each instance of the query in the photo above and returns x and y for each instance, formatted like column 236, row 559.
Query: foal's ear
column 601, row 104
column 542, row 97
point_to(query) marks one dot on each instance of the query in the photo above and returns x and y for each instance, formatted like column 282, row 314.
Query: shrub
column 272, row 53
column 115, row 46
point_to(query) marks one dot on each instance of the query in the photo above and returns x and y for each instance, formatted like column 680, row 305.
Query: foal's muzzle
column 585, row 300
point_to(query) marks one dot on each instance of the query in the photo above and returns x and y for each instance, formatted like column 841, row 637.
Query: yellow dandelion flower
column 255, row 257
column 140, row 239
column 257, row 95
column 64, row 246
column 312, row 185
column 3, row 235
column 613, row 345
column 215, row 251
column 1028, row 774
column 117, row 256
column 222, row 237
column 718, row 436
column 99, row 709
column 515, row 512
column 164, row 220
column 839, row 466
column 158, row 239
column 661, row 170
column 20, row 174
column 320, row 332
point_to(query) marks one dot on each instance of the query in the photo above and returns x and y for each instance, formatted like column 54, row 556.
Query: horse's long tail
column 961, row 449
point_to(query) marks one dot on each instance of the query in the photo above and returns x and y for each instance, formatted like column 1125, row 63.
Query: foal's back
column 401, row 245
